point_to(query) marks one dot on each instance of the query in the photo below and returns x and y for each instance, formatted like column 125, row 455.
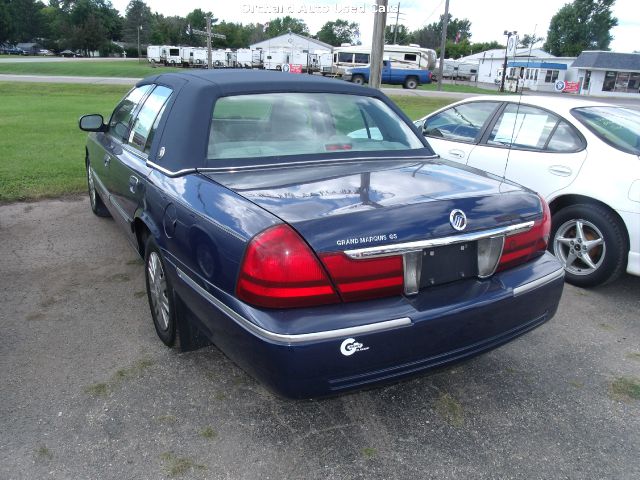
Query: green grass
column 98, row 68
column 625, row 388
column 450, row 87
column 43, row 149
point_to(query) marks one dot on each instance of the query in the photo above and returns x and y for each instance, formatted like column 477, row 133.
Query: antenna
column 506, row 165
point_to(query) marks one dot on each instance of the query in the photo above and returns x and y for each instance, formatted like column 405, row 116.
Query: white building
column 608, row 73
column 541, row 75
column 293, row 41
column 490, row 61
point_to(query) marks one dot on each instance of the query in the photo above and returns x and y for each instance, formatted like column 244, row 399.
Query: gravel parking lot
column 88, row 391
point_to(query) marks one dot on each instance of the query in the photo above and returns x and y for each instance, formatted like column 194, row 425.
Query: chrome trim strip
column 288, row 338
column 170, row 173
column 120, row 210
column 113, row 202
column 97, row 180
column 401, row 248
column 539, row 282
column 311, row 162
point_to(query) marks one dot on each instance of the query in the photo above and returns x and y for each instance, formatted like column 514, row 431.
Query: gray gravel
column 88, row 391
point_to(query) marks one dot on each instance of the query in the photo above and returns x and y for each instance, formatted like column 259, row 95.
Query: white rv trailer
column 170, row 55
column 407, row 56
column 275, row 58
column 167, row 54
column 247, row 58
column 196, row 57
column 153, row 53
column 455, row 69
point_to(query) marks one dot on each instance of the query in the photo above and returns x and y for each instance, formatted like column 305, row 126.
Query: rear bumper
column 402, row 337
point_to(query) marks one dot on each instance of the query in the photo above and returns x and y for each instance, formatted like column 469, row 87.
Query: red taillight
column 522, row 247
column 279, row 270
column 365, row 279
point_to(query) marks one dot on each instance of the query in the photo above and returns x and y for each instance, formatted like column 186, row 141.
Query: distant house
column 30, row 48
column 608, row 73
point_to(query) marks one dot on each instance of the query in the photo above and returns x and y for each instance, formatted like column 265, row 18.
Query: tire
column 411, row 83
column 602, row 255
column 160, row 294
column 358, row 79
column 97, row 205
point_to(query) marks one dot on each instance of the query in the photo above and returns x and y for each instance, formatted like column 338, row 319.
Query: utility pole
column 209, row 42
column 377, row 48
column 506, row 54
column 138, row 29
column 395, row 30
column 443, row 43
column 209, row 34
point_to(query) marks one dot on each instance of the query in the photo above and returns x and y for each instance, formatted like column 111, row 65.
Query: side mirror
column 92, row 123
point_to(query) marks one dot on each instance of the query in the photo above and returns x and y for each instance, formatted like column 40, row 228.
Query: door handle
column 456, row 153
column 133, row 183
column 107, row 159
column 560, row 170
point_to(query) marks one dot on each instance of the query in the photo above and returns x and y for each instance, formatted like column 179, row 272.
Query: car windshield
column 277, row 124
column 619, row 127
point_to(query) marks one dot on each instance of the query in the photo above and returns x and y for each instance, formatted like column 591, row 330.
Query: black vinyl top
column 238, row 81
column 184, row 129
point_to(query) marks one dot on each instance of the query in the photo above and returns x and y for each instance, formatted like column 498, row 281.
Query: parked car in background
column 391, row 74
column 69, row 53
column 582, row 156
column 317, row 259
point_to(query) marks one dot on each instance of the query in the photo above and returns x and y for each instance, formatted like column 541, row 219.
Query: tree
column 581, row 25
column 401, row 37
column 284, row 25
column 338, row 32
column 431, row 35
column 137, row 15
column 530, row 40
column 23, row 20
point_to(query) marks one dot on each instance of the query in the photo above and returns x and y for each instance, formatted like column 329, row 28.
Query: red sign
column 295, row 68
column 571, row 87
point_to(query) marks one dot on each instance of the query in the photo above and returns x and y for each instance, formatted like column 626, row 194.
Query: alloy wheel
column 158, row 290
column 580, row 246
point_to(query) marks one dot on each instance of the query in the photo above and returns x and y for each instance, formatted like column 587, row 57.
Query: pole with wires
column 395, row 30
column 377, row 48
column 445, row 21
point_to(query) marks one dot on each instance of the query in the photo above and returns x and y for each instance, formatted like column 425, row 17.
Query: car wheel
column 358, row 79
column 591, row 244
column 97, row 205
column 411, row 83
column 160, row 294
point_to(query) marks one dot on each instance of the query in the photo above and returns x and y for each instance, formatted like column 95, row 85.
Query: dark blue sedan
column 306, row 228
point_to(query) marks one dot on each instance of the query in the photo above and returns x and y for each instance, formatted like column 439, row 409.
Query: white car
column 581, row 156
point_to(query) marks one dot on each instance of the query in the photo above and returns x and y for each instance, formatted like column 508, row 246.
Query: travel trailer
column 406, row 56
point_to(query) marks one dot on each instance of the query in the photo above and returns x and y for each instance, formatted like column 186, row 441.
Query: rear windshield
column 619, row 127
column 277, row 124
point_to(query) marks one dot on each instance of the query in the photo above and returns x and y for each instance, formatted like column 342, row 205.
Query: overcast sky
column 489, row 18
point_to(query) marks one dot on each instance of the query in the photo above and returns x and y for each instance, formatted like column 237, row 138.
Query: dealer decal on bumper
column 350, row 346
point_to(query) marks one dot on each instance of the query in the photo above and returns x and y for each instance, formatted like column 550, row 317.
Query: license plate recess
column 449, row 263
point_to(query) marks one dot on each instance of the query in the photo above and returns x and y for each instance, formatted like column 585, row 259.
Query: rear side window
column 460, row 123
column 121, row 117
column 564, row 139
column 141, row 131
column 522, row 126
